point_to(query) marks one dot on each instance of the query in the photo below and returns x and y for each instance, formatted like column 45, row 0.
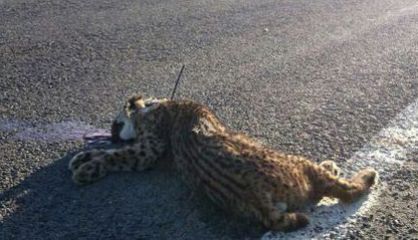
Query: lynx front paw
column 89, row 172
column 82, row 158
column 79, row 159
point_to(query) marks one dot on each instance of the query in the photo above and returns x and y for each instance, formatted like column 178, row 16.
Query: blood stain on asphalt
column 53, row 132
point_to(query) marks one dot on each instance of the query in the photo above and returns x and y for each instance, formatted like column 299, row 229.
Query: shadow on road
column 149, row 205
column 153, row 204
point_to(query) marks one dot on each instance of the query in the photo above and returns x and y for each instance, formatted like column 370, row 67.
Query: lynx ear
column 136, row 102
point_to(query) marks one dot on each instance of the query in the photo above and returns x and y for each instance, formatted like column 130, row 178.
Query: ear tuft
column 136, row 102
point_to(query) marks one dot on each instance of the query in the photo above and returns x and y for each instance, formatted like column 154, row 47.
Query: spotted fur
column 232, row 169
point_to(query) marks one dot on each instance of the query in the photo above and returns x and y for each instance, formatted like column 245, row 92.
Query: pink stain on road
column 52, row 132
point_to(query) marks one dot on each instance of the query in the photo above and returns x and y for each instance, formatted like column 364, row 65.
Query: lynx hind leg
column 332, row 167
column 349, row 190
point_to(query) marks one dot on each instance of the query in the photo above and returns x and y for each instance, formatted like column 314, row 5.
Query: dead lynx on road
column 232, row 169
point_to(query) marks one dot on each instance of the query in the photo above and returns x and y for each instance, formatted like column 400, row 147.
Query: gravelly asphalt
column 318, row 78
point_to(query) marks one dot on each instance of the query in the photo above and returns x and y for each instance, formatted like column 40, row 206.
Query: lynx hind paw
column 367, row 176
column 332, row 167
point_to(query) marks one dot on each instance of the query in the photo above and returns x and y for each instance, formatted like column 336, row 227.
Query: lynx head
column 124, row 127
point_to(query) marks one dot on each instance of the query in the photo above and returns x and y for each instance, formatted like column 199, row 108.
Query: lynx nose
column 116, row 129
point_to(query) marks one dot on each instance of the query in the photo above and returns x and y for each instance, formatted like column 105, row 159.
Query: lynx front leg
column 88, row 167
column 278, row 220
column 286, row 222
column 275, row 216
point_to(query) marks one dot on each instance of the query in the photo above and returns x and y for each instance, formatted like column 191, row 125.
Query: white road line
column 412, row 9
column 385, row 152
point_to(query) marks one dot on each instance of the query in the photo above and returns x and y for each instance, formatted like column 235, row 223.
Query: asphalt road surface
column 321, row 78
